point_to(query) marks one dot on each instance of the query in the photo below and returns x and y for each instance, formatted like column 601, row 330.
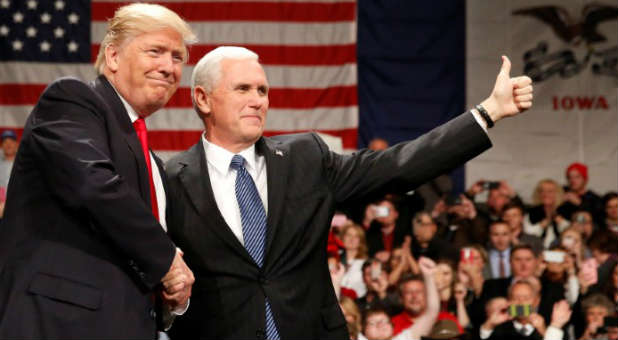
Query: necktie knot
column 237, row 162
column 139, row 125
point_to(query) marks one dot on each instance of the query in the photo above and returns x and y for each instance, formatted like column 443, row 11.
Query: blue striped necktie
column 253, row 219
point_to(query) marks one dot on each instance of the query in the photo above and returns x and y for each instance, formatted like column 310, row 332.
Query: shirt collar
column 221, row 158
column 526, row 329
column 132, row 114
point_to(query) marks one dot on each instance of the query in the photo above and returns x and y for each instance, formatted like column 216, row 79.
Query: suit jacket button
column 260, row 334
column 263, row 281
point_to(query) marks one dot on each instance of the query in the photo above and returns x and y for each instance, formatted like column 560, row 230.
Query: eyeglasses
column 378, row 323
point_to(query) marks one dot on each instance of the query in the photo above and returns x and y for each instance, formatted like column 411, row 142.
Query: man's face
column 576, row 180
column 523, row 263
column 238, row 104
column 9, row 147
column 523, row 294
column 424, row 229
column 514, row 218
column 595, row 314
column 413, row 297
column 378, row 327
column 496, row 200
column 500, row 236
column 147, row 69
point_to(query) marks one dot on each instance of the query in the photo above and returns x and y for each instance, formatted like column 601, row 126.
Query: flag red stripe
column 245, row 11
column 174, row 140
column 279, row 54
column 336, row 96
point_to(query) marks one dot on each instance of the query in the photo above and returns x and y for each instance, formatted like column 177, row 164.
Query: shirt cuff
column 484, row 333
column 553, row 333
column 180, row 310
column 479, row 119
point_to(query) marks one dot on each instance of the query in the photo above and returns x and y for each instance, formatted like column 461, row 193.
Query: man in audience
column 378, row 293
column 499, row 195
column 499, row 249
column 523, row 267
column 464, row 225
column 385, row 232
column 513, row 214
column 419, row 296
column 526, row 323
column 426, row 242
column 576, row 194
column 9, row 144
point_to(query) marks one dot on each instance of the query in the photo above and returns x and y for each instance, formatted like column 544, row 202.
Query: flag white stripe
column 261, row 33
column 313, row 77
column 186, row 119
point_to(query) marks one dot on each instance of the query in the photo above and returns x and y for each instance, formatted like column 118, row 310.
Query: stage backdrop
column 308, row 49
column 569, row 49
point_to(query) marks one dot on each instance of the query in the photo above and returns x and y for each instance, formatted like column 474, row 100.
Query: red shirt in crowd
column 403, row 320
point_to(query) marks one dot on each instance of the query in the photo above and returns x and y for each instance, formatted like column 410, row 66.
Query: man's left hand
column 510, row 96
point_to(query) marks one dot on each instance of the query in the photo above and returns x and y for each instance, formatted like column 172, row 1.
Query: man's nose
column 166, row 64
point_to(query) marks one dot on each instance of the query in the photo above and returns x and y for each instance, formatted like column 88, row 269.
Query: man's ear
column 111, row 57
column 202, row 100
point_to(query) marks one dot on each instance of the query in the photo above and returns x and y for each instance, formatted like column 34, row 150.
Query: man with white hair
column 252, row 213
column 83, row 248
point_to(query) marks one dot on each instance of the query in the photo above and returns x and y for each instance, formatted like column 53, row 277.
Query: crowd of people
column 469, row 267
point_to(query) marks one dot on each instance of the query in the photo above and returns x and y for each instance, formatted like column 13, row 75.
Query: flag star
column 73, row 18
column 45, row 46
column 4, row 30
column 58, row 32
column 31, row 32
column 32, row 4
column 72, row 46
column 45, row 18
column 5, row 3
column 59, row 5
column 17, row 45
column 18, row 17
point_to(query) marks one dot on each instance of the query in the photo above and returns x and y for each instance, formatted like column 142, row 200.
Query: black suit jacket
column 80, row 250
column 305, row 181
column 506, row 330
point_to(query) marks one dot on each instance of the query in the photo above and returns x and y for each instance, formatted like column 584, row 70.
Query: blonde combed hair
column 132, row 20
column 536, row 196
column 362, row 247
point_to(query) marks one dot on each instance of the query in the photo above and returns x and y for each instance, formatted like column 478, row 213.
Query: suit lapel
column 103, row 87
column 196, row 182
column 277, row 173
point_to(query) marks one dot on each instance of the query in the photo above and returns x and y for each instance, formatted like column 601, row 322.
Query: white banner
column 570, row 49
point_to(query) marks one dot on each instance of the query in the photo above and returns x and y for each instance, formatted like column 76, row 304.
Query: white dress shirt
column 494, row 262
column 551, row 333
column 156, row 176
column 223, row 181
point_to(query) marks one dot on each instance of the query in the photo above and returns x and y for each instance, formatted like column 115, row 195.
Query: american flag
column 308, row 49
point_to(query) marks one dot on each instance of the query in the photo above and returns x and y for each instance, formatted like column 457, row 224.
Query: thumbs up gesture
column 510, row 96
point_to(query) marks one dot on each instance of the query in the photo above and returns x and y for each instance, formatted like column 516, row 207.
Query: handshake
column 177, row 284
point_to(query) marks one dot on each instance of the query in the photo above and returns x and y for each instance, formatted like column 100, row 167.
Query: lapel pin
column 279, row 153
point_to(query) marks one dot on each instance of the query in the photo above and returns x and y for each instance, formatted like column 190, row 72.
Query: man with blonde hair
column 83, row 248
column 253, row 213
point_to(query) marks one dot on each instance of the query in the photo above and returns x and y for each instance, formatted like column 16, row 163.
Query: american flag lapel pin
column 279, row 153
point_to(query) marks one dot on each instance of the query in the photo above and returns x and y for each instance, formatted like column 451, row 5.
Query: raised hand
column 510, row 96
column 177, row 283
column 560, row 314
column 427, row 266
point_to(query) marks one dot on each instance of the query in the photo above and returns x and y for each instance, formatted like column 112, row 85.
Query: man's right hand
column 177, row 282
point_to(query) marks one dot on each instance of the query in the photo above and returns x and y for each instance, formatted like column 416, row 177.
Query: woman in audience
column 583, row 222
column 402, row 262
column 572, row 241
column 355, row 254
column 560, row 268
column 472, row 269
column 352, row 316
column 543, row 218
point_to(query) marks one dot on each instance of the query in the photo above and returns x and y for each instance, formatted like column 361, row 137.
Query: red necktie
column 142, row 134
column 502, row 268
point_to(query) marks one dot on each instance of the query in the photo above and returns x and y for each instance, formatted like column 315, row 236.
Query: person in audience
column 9, row 145
column 500, row 325
column 402, row 262
column 353, row 257
column 444, row 277
column 473, row 268
column 604, row 248
column 499, row 194
column 352, row 316
column 544, row 219
column 595, row 308
column 378, row 293
column 499, row 249
column 572, row 241
column 425, row 241
column 583, row 222
column 559, row 267
column 463, row 225
column 377, row 325
column 610, row 205
column 513, row 214
column 523, row 267
column 420, row 298
column 577, row 196
column 610, row 287
column 384, row 233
